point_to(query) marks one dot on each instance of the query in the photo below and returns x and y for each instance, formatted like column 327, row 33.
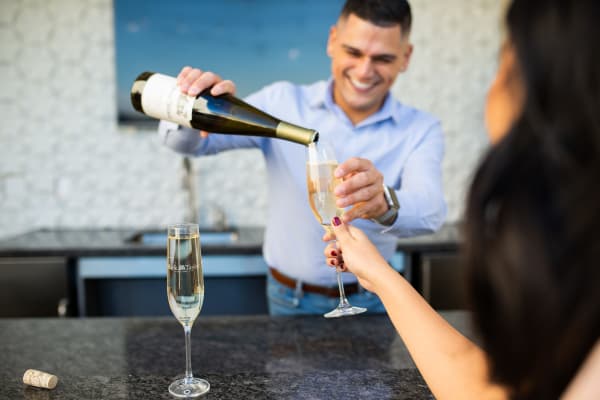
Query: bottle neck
column 296, row 133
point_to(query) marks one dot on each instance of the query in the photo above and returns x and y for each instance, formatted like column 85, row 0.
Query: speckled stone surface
column 242, row 357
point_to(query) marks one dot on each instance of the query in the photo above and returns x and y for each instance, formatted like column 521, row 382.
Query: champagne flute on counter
column 185, row 291
column 320, row 179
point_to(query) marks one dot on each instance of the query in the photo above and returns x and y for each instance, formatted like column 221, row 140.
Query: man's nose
column 365, row 67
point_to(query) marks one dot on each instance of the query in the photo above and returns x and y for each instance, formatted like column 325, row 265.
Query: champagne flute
column 185, row 291
column 320, row 179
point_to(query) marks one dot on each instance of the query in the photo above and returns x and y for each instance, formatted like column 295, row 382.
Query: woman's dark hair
column 532, row 232
column 383, row 13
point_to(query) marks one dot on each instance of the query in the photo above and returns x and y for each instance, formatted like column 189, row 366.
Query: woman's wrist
column 384, row 277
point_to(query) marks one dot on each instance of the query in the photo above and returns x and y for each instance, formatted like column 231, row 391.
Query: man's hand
column 192, row 81
column 361, row 188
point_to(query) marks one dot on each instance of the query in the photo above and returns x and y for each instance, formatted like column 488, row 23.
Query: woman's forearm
column 452, row 365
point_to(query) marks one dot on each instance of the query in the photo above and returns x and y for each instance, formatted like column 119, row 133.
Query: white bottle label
column 162, row 99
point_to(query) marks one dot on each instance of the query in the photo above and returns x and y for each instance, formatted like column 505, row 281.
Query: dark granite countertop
column 117, row 242
column 256, row 357
column 114, row 242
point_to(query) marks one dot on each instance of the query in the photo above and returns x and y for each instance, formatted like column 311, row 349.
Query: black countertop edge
column 100, row 242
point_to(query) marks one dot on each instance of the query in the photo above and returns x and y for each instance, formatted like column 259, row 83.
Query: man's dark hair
column 384, row 13
column 532, row 242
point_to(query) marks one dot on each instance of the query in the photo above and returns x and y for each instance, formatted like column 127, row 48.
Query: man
column 392, row 154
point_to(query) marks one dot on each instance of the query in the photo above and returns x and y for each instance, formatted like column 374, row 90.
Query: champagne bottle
column 158, row 96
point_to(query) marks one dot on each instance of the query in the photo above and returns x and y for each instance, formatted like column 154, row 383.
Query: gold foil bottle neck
column 296, row 133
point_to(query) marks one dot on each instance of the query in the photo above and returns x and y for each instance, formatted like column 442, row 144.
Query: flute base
column 189, row 387
column 345, row 310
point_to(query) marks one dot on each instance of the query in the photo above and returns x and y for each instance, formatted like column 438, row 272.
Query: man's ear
column 406, row 56
column 331, row 40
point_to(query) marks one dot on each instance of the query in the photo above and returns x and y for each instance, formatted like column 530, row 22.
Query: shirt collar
column 324, row 99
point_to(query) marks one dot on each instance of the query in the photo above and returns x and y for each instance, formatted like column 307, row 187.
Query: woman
column 532, row 232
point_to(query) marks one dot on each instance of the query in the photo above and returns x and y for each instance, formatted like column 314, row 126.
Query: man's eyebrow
column 353, row 49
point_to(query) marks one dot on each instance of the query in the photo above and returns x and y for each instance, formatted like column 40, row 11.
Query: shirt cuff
column 165, row 128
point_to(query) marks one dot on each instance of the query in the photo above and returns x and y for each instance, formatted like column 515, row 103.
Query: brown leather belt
column 349, row 288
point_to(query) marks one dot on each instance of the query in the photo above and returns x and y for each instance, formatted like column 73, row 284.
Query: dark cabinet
column 32, row 286
column 443, row 281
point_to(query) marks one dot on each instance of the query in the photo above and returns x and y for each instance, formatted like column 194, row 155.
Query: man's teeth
column 360, row 85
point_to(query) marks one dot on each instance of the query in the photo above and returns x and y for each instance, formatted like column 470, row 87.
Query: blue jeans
column 285, row 301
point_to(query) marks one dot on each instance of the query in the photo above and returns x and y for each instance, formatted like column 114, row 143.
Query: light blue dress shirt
column 406, row 145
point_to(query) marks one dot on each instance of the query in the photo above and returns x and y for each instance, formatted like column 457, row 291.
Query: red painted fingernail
column 333, row 253
column 337, row 221
column 332, row 262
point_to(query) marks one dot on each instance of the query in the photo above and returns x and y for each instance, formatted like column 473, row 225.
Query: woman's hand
column 354, row 252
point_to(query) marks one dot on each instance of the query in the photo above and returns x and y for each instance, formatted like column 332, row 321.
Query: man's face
column 365, row 61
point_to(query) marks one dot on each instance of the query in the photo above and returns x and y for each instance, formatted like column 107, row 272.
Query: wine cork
column 40, row 379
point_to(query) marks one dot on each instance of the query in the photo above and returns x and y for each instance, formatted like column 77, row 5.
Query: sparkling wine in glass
column 320, row 166
column 185, row 291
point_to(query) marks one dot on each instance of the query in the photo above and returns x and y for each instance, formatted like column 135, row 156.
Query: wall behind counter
column 64, row 162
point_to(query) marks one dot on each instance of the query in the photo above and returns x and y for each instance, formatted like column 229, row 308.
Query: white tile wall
column 65, row 163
